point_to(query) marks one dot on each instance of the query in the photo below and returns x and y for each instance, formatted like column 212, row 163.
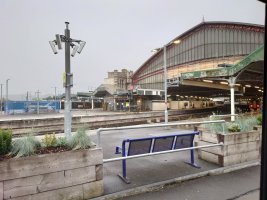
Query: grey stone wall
column 238, row 147
column 66, row 175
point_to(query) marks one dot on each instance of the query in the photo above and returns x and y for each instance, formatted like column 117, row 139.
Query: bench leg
column 123, row 175
column 192, row 163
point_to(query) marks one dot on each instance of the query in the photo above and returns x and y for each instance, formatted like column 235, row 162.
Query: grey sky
column 119, row 34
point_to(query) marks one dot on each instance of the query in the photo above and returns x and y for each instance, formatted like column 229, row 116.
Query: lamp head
column 176, row 42
column 53, row 46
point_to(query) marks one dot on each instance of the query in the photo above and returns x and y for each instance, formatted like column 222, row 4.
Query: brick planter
column 238, row 147
column 66, row 175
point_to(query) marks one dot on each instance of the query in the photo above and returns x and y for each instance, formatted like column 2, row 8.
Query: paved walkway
column 147, row 171
column 238, row 185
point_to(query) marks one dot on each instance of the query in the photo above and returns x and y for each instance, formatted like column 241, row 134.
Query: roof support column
column 92, row 101
column 115, row 104
column 232, row 81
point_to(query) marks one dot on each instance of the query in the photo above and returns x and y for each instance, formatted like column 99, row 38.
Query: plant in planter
column 241, row 142
column 233, row 127
column 50, row 140
column 259, row 120
column 62, row 142
column 61, row 175
column 5, row 141
column 25, row 146
column 247, row 123
column 80, row 140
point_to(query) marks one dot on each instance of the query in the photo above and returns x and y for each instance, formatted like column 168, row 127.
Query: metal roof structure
column 204, row 24
column 243, row 65
column 248, row 73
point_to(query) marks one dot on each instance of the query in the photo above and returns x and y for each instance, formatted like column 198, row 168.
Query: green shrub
column 246, row 123
column 213, row 127
column 49, row 140
column 62, row 142
column 233, row 127
column 259, row 120
column 5, row 141
column 80, row 140
column 24, row 146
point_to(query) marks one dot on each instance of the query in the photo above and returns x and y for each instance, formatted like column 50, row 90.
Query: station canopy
column 248, row 74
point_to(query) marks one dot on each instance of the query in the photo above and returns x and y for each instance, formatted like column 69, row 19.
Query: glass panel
column 224, row 51
column 139, row 147
column 241, row 33
column 215, row 50
column 194, row 53
column 220, row 36
column 163, row 144
column 220, row 50
column 249, row 49
column 244, row 49
column 231, row 36
column 239, row 49
column 184, row 141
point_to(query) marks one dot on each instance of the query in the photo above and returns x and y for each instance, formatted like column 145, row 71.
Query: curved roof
column 222, row 24
column 248, row 71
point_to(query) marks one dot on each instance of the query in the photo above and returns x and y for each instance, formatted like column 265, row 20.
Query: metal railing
column 226, row 115
column 161, row 152
column 100, row 130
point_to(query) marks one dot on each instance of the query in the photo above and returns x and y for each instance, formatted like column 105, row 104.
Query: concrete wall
column 66, row 175
column 197, row 104
column 181, row 105
column 238, row 147
column 174, row 105
column 158, row 106
column 148, row 105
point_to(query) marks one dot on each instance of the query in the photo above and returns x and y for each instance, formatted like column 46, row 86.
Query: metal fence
column 100, row 130
column 31, row 107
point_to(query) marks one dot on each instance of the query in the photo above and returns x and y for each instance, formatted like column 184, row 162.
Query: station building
column 209, row 46
column 114, row 90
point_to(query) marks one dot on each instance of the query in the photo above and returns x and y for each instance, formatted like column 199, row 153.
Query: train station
column 213, row 61
column 88, row 112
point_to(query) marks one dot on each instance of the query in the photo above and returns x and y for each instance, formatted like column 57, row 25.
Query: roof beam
column 208, row 85
column 257, row 55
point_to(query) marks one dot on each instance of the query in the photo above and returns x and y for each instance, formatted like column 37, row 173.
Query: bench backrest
column 159, row 143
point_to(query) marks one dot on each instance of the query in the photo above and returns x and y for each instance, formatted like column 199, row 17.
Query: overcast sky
column 119, row 34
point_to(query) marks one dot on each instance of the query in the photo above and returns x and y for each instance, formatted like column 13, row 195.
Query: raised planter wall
column 238, row 147
column 66, row 175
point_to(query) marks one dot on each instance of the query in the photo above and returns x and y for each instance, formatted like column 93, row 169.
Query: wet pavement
column 238, row 185
column 146, row 170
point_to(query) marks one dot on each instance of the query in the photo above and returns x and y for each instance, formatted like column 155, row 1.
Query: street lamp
column 55, row 98
column 67, row 82
column 1, row 105
column 165, row 75
column 38, row 102
column 7, row 96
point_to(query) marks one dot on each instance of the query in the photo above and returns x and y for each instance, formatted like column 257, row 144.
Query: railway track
column 56, row 124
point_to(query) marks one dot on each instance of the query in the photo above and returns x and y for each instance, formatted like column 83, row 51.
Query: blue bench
column 151, row 145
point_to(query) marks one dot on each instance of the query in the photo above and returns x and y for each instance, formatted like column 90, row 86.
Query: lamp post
column 1, row 105
column 166, row 114
column 67, row 77
column 55, row 97
column 38, row 102
column 6, row 109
